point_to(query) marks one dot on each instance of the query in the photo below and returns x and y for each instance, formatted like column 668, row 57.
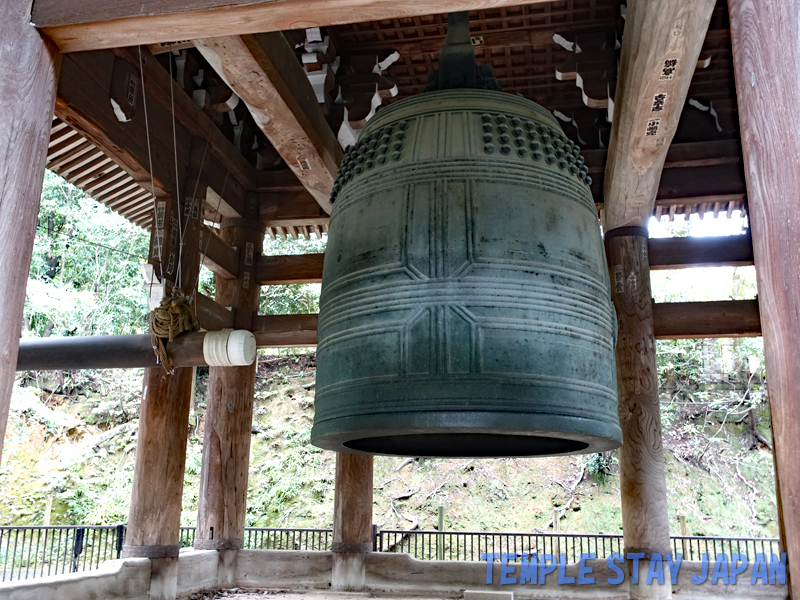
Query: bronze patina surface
column 465, row 303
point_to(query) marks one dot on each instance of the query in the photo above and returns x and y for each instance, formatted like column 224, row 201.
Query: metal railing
column 693, row 547
column 267, row 538
column 27, row 552
column 465, row 545
column 469, row 545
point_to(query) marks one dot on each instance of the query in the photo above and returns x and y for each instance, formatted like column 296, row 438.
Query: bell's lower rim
column 466, row 442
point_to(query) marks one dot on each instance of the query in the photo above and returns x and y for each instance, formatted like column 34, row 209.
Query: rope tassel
column 168, row 321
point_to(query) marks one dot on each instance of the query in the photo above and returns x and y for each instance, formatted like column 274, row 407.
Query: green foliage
column 84, row 271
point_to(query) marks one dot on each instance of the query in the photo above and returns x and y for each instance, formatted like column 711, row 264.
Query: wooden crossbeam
column 218, row 255
column 212, row 316
column 285, row 331
column 291, row 209
column 684, row 252
column 665, row 253
column 689, row 320
column 660, row 48
column 263, row 70
column 92, row 24
column 695, row 173
column 296, row 268
column 679, row 156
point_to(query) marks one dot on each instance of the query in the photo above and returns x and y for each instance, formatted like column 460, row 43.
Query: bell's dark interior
column 460, row 445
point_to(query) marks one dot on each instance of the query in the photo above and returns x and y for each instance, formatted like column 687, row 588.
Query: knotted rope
column 168, row 321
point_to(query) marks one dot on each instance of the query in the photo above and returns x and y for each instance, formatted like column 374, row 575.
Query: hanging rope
column 168, row 321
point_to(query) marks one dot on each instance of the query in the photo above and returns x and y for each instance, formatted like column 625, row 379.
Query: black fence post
column 77, row 548
column 374, row 537
column 120, row 539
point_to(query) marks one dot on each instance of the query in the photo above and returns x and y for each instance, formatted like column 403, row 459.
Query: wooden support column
column 643, row 488
column 660, row 47
column 155, row 511
column 229, row 412
column 352, row 521
column 766, row 58
column 28, row 73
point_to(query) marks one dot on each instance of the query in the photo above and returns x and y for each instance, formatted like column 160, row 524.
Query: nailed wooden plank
column 285, row 331
column 660, row 48
column 218, row 255
column 289, row 269
column 92, row 24
column 212, row 316
column 263, row 70
column 766, row 55
column 689, row 320
column 683, row 252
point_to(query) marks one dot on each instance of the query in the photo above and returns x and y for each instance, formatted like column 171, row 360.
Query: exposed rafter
column 263, row 70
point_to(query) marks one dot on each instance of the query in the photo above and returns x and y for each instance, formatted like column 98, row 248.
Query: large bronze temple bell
column 465, row 306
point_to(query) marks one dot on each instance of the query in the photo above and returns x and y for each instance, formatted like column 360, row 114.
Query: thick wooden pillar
column 352, row 521
column 155, row 510
column 766, row 59
column 643, row 488
column 229, row 412
column 28, row 74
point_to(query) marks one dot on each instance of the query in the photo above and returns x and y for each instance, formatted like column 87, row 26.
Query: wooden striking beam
column 285, row 331
column 288, row 269
column 685, row 252
column 765, row 59
column 92, row 24
column 660, row 48
column 689, row 320
column 106, row 352
column 217, row 255
column 264, row 71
